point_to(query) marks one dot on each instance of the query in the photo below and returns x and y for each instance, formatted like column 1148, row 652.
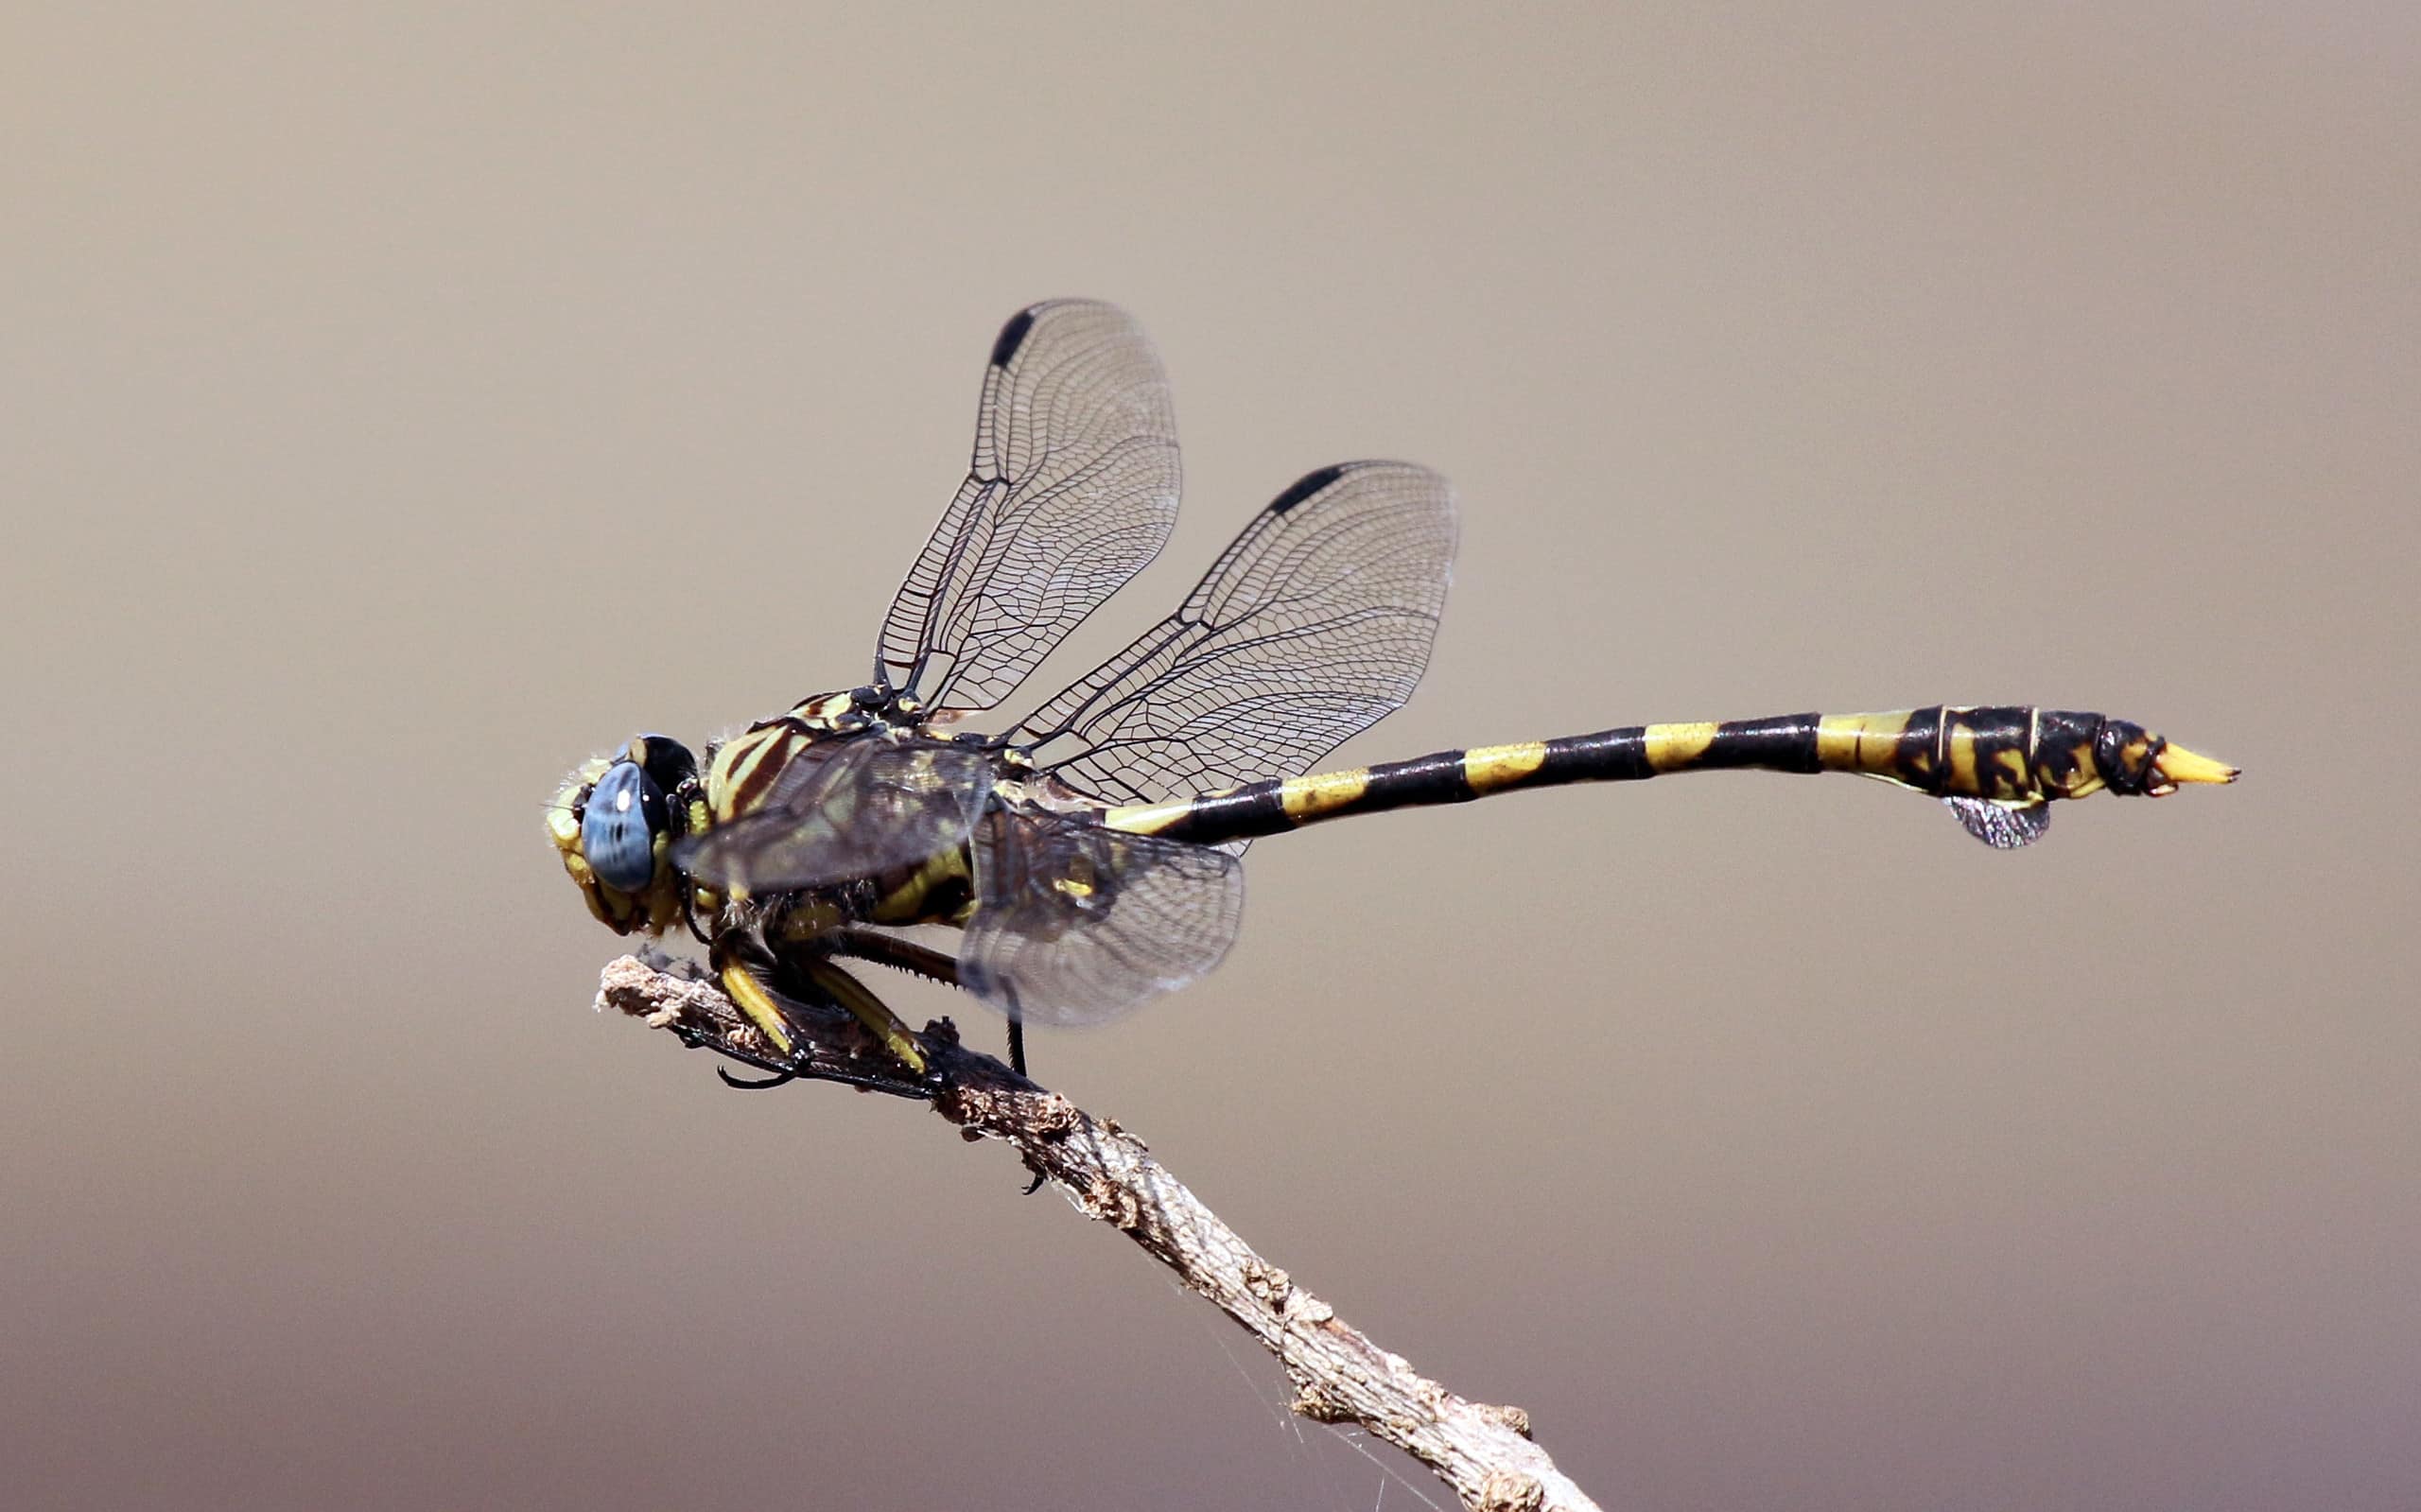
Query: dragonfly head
column 614, row 824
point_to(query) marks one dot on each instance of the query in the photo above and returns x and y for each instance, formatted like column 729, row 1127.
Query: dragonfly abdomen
column 2012, row 758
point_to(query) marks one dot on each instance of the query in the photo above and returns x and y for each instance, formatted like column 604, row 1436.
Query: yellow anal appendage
column 2180, row 765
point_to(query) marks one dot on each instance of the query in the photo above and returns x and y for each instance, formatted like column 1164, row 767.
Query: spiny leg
column 861, row 944
column 890, row 950
column 741, row 978
column 870, row 1010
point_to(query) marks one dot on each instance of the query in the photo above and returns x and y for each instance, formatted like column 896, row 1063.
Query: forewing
column 870, row 808
column 1076, row 924
column 1312, row 625
column 1073, row 489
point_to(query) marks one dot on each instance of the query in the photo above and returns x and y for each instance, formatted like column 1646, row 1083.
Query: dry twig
column 1483, row 1453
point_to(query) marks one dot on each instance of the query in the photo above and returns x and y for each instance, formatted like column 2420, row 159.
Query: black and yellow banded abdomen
column 1997, row 768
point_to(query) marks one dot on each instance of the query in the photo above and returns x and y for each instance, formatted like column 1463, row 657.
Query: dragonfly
column 1089, row 857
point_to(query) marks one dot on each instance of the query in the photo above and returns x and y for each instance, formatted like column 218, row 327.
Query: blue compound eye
column 619, row 828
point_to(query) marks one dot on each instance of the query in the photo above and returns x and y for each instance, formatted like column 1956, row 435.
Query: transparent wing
column 1314, row 624
column 871, row 807
column 1074, row 924
column 1073, row 489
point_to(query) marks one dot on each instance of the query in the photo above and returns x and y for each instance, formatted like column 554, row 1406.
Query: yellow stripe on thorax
column 823, row 709
column 746, row 766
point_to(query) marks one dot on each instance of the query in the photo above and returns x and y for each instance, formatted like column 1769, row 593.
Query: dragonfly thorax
column 741, row 772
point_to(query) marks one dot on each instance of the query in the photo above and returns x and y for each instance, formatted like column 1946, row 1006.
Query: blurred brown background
column 401, row 406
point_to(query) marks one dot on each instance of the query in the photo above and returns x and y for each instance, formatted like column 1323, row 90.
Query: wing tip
column 1012, row 334
column 1307, row 485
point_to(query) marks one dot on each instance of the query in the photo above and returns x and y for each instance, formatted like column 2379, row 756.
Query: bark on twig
column 1483, row 1453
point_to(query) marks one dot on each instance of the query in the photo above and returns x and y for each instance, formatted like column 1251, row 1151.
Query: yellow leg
column 851, row 994
column 757, row 1004
column 766, row 1013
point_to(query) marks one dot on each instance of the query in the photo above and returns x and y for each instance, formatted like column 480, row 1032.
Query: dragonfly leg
column 890, row 950
column 870, row 1010
column 755, row 1084
column 757, row 1001
column 737, row 966
column 778, row 1074
column 905, row 955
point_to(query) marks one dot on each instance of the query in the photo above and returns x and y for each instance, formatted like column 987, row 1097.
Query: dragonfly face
column 1089, row 854
column 614, row 824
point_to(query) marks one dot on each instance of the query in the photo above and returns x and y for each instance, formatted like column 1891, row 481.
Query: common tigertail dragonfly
column 1088, row 855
